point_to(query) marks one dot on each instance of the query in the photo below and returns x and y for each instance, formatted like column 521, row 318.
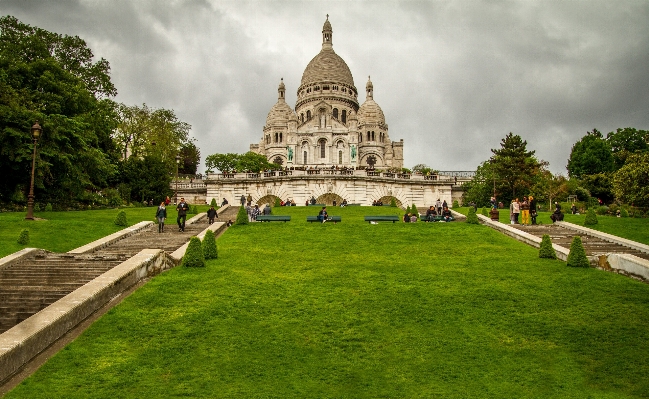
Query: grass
column 636, row 229
column 355, row 310
column 64, row 231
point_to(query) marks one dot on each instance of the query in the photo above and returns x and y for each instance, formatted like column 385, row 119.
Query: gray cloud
column 453, row 78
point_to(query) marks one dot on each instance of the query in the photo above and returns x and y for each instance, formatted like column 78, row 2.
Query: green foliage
column 120, row 220
column 278, row 202
column 627, row 141
column 194, row 254
column 147, row 178
column 472, row 218
column 23, row 239
column 591, row 217
column 624, row 213
column 190, row 158
column 393, row 202
column 193, row 209
column 48, row 207
column 414, row 210
column 514, row 167
column 590, row 155
column 213, row 203
column 210, row 250
column 577, row 256
column 485, row 212
column 546, row 250
column 456, row 204
column 230, row 162
column 242, row 216
column 598, row 210
column 600, row 186
column 631, row 182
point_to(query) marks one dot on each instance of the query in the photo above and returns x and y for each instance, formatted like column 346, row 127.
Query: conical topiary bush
column 577, row 256
column 484, row 211
column 242, row 216
column 120, row 220
column 472, row 218
column 546, row 250
column 194, row 254
column 213, row 202
column 277, row 203
column 393, row 202
column 456, row 204
column 414, row 210
column 23, row 238
column 591, row 218
column 209, row 245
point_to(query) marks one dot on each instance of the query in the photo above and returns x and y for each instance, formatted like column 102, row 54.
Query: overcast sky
column 452, row 77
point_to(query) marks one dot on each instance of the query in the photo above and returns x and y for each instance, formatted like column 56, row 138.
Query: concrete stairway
column 30, row 285
column 592, row 245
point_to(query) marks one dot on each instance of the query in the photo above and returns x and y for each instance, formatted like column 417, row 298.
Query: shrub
column 209, row 245
column 393, row 202
column 546, row 250
column 48, row 207
column 213, row 202
column 472, row 218
column 414, row 210
column 577, row 256
column 194, row 254
column 242, row 216
column 23, row 239
column 624, row 213
column 113, row 197
column 484, row 212
column 120, row 220
column 591, row 218
column 278, row 202
column 37, row 207
column 456, row 204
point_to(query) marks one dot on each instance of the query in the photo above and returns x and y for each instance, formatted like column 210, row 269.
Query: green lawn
column 354, row 310
column 636, row 229
column 64, row 231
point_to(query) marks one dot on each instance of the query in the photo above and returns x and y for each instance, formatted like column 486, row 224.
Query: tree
column 600, row 186
column 514, row 168
column 194, row 254
column 147, row 178
column 546, row 250
column 52, row 78
column 590, row 155
column 230, row 162
column 190, row 157
column 549, row 187
column 222, row 162
column 631, row 182
column 577, row 255
column 627, row 141
column 480, row 189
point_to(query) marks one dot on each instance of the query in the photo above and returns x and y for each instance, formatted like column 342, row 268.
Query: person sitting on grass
column 430, row 213
column 322, row 215
column 406, row 217
column 447, row 215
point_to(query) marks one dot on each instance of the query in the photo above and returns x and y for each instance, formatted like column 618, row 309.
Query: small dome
column 370, row 112
column 280, row 113
column 327, row 25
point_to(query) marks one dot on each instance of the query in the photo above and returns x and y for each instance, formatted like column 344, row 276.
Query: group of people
column 526, row 209
column 377, row 203
column 161, row 214
column 431, row 214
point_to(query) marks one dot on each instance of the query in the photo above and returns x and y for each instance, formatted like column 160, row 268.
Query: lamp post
column 36, row 132
column 177, row 164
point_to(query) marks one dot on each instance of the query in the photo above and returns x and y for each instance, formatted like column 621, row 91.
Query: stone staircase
column 32, row 284
column 592, row 245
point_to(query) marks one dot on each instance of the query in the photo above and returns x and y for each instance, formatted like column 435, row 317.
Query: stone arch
column 379, row 158
column 268, row 199
column 328, row 199
column 387, row 199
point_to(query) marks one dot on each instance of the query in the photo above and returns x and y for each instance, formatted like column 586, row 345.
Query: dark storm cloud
column 453, row 78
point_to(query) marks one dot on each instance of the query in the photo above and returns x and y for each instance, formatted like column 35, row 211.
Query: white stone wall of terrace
column 629, row 265
column 22, row 342
column 25, row 253
column 216, row 227
column 355, row 187
column 110, row 239
column 529, row 239
column 605, row 236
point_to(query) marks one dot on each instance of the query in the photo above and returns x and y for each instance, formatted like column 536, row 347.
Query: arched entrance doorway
column 328, row 199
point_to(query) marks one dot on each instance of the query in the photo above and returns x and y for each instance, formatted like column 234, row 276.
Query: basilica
column 328, row 128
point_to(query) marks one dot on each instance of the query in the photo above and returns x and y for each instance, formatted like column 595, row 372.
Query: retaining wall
column 110, row 239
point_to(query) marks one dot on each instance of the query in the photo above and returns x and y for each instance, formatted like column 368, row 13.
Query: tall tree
column 631, row 182
column 590, row 155
column 627, row 141
column 190, row 156
column 514, row 168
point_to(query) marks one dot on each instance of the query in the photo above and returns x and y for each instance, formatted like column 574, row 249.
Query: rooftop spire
column 369, row 89
column 327, row 34
column 281, row 90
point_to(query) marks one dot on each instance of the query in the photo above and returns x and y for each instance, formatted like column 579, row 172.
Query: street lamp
column 177, row 164
column 36, row 132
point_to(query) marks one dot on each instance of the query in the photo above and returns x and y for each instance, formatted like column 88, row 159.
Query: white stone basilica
column 328, row 128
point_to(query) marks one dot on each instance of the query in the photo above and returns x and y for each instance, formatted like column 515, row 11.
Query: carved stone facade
column 328, row 127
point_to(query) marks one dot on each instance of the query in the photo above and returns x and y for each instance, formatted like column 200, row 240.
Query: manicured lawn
column 353, row 310
column 636, row 229
column 64, row 231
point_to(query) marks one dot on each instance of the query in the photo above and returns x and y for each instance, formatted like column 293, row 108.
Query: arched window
column 276, row 137
column 369, row 137
column 280, row 137
column 372, row 135
column 336, row 113
column 344, row 116
column 360, row 137
column 302, row 117
column 340, row 157
column 308, row 115
column 305, row 158
column 323, row 145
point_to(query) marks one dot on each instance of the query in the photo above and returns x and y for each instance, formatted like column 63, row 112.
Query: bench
column 320, row 205
column 273, row 218
column 389, row 218
column 436, row 218
column 334, row 219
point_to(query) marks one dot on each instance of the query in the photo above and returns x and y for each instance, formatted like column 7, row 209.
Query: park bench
column 320, row 205
column 334, row 219
column 436, row 218
column 273, row 218
column 388, row 218
column 353, row 205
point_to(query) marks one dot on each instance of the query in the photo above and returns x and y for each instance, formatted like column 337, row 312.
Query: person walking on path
column 438, row 205
column 182, row 209
column 249, row 200
column 211, row 214
column 243, row 200
column 161, row 215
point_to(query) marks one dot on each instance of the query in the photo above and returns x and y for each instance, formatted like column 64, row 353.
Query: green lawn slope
column 354, row 310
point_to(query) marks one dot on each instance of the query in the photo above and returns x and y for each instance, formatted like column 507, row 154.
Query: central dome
column 327, row 66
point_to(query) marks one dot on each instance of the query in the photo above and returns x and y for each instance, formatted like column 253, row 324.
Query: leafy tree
column 631, row 182
column 190, row 157
column 222, row 162
column 480, row 189
column 147, row 178
column 423, row 169
column 600, row 186
column 52, row 78
column 249, row 161
column 550, row 187
column 590, row 155
column 627, row 141
column 210, row 250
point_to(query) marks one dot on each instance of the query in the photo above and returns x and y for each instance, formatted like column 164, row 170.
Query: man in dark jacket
column 211, row 214
column 182, row 209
